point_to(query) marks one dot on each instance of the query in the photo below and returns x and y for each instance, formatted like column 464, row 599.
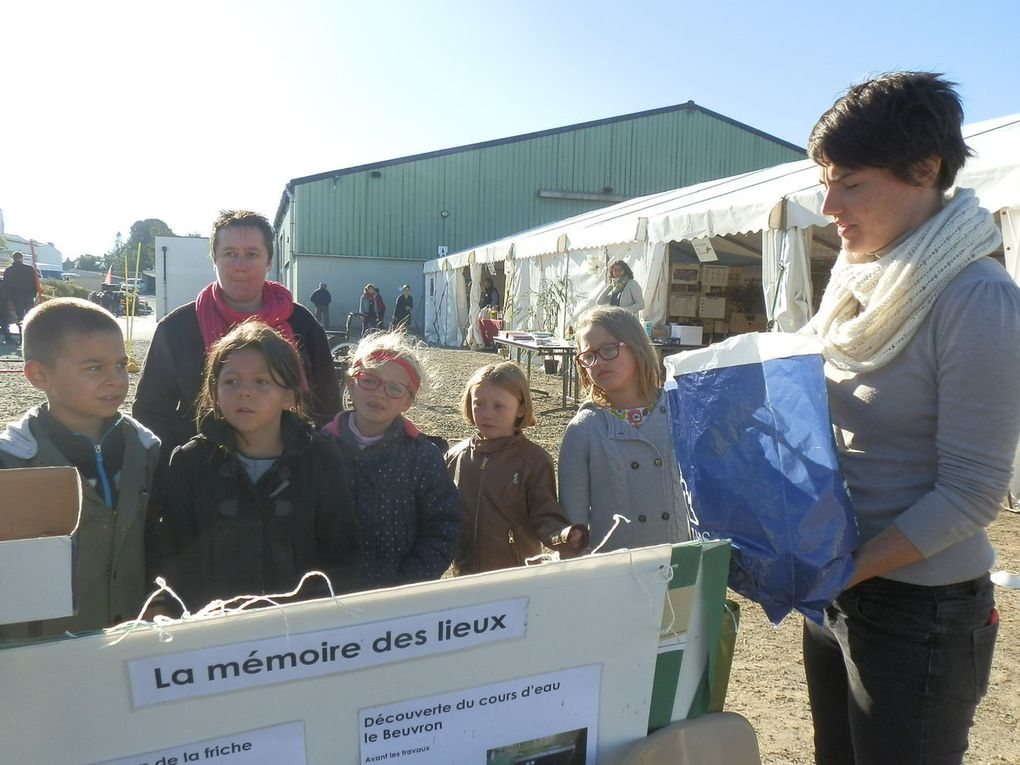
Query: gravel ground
column 767, row 681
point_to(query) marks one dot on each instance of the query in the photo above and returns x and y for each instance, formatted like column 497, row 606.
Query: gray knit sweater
column 927, row 441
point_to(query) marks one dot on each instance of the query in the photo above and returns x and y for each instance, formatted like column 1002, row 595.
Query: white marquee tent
column 553, row 272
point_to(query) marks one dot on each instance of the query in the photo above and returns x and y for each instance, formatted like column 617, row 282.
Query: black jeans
column 896, row 672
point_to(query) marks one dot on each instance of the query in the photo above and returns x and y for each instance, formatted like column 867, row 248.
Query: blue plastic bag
column 756, row 452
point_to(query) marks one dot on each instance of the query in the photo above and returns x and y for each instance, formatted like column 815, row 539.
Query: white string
column 545, row 557
column 217, row 607
column 616, row 522
column 667, row 572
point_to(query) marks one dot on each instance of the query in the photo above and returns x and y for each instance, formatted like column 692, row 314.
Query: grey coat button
column 642, row 518
column 658, row 462
column 665, row 516
column 635, row 465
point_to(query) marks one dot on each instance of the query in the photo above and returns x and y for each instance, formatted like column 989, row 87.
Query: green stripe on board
column 715, row 571
column 667, row 670
column 685, row 560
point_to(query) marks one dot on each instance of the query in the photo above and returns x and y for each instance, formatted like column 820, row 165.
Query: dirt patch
column 767, row 683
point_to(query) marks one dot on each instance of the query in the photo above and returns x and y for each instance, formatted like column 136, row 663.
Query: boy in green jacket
column 74, row 353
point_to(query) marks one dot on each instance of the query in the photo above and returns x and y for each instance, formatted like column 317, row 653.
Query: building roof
column 688, row 106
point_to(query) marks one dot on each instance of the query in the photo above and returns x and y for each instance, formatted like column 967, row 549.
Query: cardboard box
column 39, row 514
column 685, row 334
column 746, row 322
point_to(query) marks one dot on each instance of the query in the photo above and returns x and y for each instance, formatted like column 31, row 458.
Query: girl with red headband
column 408, row 507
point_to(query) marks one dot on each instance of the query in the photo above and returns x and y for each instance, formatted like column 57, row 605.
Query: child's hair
column 626, row 269
column 50, row 325
column 398, row 347
column 281, row 357
column 510, row 378
column 625, row 327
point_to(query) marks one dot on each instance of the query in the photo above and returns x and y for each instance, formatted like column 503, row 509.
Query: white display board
column 299, row 683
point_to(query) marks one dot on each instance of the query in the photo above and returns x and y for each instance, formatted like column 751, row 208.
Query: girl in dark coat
column 258, row 498
column 408, row 508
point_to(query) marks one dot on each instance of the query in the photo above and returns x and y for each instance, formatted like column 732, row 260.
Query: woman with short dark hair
column 241, row 248
column 919, row 331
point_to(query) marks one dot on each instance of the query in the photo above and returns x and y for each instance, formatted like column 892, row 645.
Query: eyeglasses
column 607, row 352
column 370, row 382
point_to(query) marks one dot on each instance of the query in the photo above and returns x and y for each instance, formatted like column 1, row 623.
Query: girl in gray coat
column 617, row 453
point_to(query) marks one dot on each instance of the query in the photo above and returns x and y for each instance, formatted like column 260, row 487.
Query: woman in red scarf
column 242, row 251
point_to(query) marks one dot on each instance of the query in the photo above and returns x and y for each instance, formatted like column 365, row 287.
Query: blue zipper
column 100, row 466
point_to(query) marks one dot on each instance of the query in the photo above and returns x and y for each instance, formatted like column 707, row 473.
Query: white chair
column 722, row 738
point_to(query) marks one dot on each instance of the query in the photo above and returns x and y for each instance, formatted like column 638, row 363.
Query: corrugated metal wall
column 395, row 210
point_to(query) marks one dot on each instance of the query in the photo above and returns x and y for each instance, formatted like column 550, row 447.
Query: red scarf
column 216, row 318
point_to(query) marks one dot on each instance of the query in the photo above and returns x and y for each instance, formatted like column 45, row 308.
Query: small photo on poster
column 562, row 749
column 686, row 274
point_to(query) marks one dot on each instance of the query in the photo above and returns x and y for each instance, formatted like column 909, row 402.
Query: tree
column 68, row 264
column 89, row 263
column 142, row 232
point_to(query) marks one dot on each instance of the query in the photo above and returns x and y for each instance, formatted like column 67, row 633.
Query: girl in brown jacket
column 507, row 483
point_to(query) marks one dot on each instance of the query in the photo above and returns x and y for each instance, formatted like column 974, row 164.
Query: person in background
column 321, row 299
column 408, row 507
column 242, row 252
column 5, row 316
column 622, row 290
column 373, row 309
column 617, row 453
column 74, row 353
column 507, row 483
column 919, row 330
column 22, row 285
column 490, row 296
column 258, row 498
column 402, row 310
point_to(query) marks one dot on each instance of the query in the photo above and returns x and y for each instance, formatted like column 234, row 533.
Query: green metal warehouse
column 380, row 222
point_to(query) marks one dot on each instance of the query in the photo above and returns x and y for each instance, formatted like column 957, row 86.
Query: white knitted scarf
column 871, row 310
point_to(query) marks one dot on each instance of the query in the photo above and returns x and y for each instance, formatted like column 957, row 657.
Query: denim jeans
column 897, row 670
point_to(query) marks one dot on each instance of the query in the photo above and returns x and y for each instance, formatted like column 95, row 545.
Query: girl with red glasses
column 617, row 452
column 408, row 507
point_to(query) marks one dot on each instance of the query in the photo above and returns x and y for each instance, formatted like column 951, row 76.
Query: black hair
column 238, row 218
column 894, row 122
column 281, row 357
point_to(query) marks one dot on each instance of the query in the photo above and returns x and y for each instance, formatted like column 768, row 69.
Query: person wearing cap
column 321, row 299
column 402, row 311
column 21, row 284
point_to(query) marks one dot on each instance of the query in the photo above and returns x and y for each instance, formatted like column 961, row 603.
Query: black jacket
column 321, row 297
column 19, row 279
column 172, row 375
column 219, row 535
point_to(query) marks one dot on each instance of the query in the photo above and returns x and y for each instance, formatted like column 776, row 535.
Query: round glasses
column 370, row 382
column 607, row 352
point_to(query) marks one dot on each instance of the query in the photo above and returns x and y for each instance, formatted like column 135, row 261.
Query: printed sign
column 282, row 659
column 543, row 718
column 279, row 745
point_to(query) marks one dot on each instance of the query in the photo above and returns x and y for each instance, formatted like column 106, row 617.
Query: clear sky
column 113, row 112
